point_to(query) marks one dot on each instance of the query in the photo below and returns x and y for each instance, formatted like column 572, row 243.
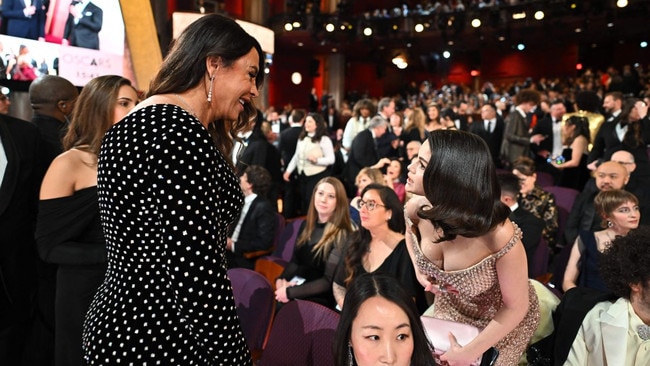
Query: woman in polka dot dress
column 167, row 194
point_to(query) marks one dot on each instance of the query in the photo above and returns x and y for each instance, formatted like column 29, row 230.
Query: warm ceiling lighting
column 367, row 31
column 446, row 54
column 621, row 3
column 296, row 24
column 519, row 16
column 476, row 22
column 419, row 27
column 288, row 27
column 539, row 15
column 329, row 27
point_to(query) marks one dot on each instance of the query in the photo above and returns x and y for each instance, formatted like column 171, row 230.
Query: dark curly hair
column 626, row 262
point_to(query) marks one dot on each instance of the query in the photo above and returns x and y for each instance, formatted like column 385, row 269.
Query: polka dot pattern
column 166, row 197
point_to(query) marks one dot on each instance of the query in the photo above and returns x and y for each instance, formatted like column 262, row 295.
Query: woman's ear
column 212, row 64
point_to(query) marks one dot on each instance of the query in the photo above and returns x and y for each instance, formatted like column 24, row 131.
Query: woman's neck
column 323, row 219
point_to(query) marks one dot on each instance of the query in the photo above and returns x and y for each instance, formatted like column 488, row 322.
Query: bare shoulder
column 501, row 235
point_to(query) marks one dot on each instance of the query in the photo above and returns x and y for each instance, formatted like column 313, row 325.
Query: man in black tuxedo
column 364, row 151
column 530, row 225
column 461, row 119
column 20, row 172
column 25, row 21
column 490, row 129
column 255, row 229
column 548, row 131
column 612, row 104
column 287, row 145
column 83, row 25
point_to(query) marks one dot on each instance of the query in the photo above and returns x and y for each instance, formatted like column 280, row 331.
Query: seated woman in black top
column 319, row 246
column 379, row 245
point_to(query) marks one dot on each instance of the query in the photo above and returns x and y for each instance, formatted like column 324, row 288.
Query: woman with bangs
column 321, row 241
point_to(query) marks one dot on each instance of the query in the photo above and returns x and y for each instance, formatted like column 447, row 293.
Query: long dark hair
column 461, row 184
column 633, row 138
column 360, row 240
column 185, row 67
column 582, row 129
column 370, row 285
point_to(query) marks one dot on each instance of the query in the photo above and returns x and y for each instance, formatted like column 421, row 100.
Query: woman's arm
column 319, row 285
column 410, row 211
column 572, row 270
column 328, row 152
column 512, row 273
column 578, row 147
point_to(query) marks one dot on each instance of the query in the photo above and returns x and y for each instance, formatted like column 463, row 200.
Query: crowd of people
column 413, row 206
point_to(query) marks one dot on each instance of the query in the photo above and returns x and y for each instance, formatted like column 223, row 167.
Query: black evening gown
column 69, row 234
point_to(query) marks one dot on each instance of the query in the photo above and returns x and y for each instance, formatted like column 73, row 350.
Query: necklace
column 186, row 105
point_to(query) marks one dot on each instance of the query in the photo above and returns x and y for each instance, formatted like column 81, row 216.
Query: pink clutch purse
column 437, row 330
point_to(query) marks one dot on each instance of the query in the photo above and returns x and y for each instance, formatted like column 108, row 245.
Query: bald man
column 609, row 175
column 638, row 184
column 52, row 99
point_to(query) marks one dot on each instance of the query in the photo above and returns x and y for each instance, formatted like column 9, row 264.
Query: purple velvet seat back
column 287, row 240
column 255, row 301
column 302, row 334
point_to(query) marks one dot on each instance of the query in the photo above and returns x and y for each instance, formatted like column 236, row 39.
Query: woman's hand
column 286, row 176
column 457, row 355
column 281, row 294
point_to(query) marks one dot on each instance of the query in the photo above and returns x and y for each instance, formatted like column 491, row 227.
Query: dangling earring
column 610, row 224
column 210, row 89
column 350, row 358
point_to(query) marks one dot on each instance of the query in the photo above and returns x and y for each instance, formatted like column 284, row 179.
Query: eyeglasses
column 370, row 205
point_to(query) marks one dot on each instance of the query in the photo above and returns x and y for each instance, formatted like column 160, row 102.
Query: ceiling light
column 296, row 78
column 446, row 54
column 367, row 31
column 519, row 16
column 476, row 22
column 296, row 24
column 578, row 30
column 329, row 27
column 288, row 27
column 621, row 3
column 643, row 44
column 539, row 15
column 521, row 46
column 419, row 27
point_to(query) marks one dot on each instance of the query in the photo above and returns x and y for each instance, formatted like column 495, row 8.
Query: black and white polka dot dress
column 166, row 196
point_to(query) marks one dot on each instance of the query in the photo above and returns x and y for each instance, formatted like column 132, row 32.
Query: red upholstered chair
column 255, row 301
column 302, row 334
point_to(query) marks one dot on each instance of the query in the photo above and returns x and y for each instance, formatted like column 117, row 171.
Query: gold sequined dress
column 479, row 298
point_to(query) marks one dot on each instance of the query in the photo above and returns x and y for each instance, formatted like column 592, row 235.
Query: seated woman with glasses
column 619, row 210
column 379, row 245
